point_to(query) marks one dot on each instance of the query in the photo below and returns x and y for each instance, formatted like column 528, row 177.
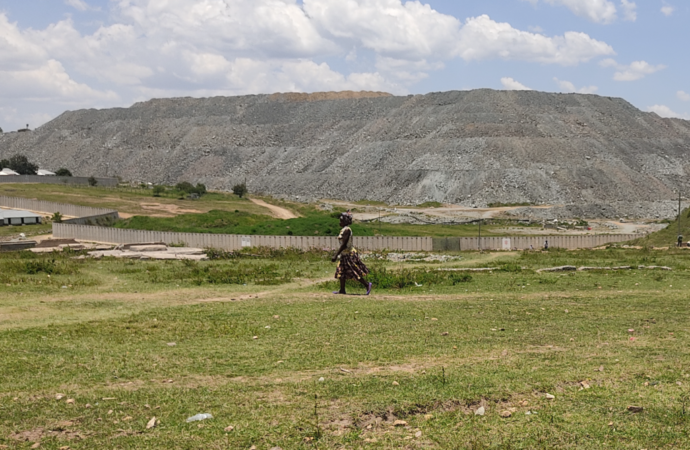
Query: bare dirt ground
column 277, row 211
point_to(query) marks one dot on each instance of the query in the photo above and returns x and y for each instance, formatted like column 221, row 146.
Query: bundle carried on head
column 346, row 218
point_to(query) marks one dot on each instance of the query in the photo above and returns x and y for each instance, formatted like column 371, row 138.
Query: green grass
column 669, row 235
column 28, row 230
column 312, row 223
column 128, row 200
column 512, row 336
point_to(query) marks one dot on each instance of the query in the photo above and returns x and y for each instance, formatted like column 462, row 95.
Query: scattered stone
column 635, row 409
column 584, row 385
column 506, row 414
column 418, row 434
column 229, row 428
column 59, row 396
column 395, row 383
column 70, row 401
column 322, row 379
column 480, row 411
column 171, row 344
column 400, row 423
column 550, row 397
column 151, row 423
column 445, row 333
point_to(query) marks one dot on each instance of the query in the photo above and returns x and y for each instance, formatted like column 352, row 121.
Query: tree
column 240, row 189
column 158, row 190
column 20, row 164
column 92, row 181
column 62, row 172
column 57, row 217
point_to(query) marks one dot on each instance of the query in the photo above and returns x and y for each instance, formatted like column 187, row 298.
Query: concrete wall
column 81, row 181
column 524, row 242
column 52, row 207
column 234, row 242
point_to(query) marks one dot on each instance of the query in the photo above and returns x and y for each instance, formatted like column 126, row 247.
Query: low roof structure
column 18, row 217
column 45, row 173
column 7, row 171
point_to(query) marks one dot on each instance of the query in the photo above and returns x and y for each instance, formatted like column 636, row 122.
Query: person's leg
column 366, row 284
column 342, row 285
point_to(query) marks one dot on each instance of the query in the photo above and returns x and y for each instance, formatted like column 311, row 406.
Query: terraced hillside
column 596, row 156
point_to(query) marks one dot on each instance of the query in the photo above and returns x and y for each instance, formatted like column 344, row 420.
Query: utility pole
column 679, row 213
column 479, row 243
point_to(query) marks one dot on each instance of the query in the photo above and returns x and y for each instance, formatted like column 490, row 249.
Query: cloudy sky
column 58, row 55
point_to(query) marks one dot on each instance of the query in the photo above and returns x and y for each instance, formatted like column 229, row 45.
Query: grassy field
column 311, row 223
column 130, row 201
column 218, row 212
column 669, row 235
column 92, row 351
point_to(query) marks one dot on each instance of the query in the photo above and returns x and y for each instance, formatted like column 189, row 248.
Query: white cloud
column 683, row 96
column 632, row 72
column 629, row 10
column 513, row 85
column 482, row 38
column 667, row 10
column 567, row 86
column 598, row 11
column 665, row 111
column 77, row 4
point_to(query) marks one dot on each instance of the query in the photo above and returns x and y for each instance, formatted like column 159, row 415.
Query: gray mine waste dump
column 595, row 156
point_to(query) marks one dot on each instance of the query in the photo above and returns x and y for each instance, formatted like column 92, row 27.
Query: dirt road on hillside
column 278, row 212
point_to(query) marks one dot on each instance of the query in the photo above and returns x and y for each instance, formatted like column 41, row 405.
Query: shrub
column 240, row 190
column 62, row 172
column 57, row 217
column 158, row 190
column 188, row 188
column 20, row 164
column 92, row 181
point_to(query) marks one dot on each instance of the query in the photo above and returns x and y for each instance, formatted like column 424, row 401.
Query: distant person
column 350, row 267
column 680, row 240
column 530, row 247
column 546, row 244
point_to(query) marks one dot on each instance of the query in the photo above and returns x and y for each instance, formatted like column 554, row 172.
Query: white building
column 45, row 173
column 18, row 217
column 7, row 171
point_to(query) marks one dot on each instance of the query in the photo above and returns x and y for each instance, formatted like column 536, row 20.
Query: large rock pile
column 595, row 156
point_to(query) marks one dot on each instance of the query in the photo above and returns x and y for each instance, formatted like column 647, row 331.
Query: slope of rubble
column 592, row 156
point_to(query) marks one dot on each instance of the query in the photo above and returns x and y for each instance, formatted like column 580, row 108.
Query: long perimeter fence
column 83, row 227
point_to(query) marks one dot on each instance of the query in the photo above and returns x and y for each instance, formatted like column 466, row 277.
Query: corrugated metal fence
column 364, row 243
column 524, row 242
column 235, row 242
column 83, row 214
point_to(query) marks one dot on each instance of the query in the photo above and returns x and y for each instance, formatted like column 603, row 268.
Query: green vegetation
column 130, row 200
column 188, row 188
column 20, row 164
column 56, row 217
column 126, row 341
column 92, row 181
column 505, row 205
column 669, row 235
column 62, row 172
column 312, row 223
column 430, row 205
column 240, row 190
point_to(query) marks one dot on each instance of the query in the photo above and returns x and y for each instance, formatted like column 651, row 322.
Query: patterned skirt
column 350, row 267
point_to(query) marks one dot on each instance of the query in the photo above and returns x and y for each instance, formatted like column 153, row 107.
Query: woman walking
column 350, row 267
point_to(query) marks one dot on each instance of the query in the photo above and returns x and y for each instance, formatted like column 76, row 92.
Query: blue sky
column 58, row 55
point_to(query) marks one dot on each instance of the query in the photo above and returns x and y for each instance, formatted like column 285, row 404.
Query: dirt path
column 280, row 213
